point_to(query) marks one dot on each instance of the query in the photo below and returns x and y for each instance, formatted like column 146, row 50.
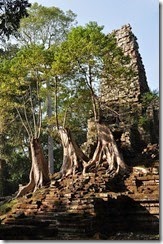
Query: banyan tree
column 84, row 58
column 89, row 56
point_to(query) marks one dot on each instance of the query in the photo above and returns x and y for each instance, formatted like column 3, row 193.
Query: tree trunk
column 72, row 154
column 107, row 151
column 50, row 139
column 39, row 174
column 50, row 154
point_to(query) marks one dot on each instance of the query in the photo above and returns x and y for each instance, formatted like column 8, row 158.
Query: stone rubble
column 77, row 207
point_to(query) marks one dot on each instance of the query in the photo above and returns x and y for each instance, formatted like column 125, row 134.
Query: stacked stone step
column 26, row 232
column 71, row 198
column 144, row 190
column 78, row 206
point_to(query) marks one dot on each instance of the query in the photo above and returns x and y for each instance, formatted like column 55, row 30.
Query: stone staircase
column 78, row 207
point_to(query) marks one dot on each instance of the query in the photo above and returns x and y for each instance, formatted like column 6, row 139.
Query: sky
column 142, row 15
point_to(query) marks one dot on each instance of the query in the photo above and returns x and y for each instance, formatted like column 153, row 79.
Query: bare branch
column 27, row 120
column 28, row 132
column 39, row 120
column 88, row 79
column 33, row 113
column 64, row 119
column 56, row 102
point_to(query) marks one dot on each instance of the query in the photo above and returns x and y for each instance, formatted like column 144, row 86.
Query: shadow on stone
column 123, row 215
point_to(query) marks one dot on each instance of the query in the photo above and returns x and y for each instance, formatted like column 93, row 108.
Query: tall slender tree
column 46, row 26
column 22, row 79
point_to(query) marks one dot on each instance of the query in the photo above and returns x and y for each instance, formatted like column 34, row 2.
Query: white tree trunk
column 72, row 154
column 50, row 139
column 50, row 154
column 39, row 174
column 106, row 150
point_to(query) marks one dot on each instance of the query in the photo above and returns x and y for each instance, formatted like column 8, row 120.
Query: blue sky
column 143, row 16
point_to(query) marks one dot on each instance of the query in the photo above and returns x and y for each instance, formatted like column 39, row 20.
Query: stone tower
column 126, row 94
column 121, row 106
column 125, row 99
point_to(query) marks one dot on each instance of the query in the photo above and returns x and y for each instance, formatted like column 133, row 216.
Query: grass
column 7, row 206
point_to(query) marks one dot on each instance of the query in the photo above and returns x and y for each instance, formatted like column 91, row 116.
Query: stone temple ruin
column 127, row 94
column 126, row 100
column 92, row 206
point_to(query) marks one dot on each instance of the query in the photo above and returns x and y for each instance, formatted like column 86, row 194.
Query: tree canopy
column 11, row 12
column 50, row 86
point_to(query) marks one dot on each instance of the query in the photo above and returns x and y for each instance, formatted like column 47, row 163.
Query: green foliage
column 7, row 206
column 149, row 97
column 8, row 50
column 18, row 168
column 24, row 76
column 55, row 63
column 16, row 162
column 11, row 12
column 144, row 122
column 147, row 100
column 91, row 55
column 88, row 56
column 45, row 26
